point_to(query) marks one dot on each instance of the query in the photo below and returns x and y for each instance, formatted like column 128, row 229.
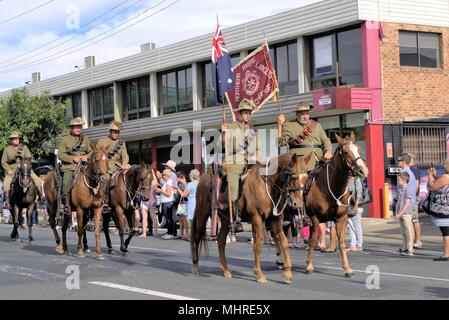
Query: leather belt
column 300, row 146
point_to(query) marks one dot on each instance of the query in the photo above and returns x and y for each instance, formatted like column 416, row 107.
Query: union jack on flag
column 222, row 75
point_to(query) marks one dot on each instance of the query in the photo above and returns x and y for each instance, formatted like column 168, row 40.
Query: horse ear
column 308, row 157
column 93, row 146
column 339, row 139
column 294, row 158
column 352, row 137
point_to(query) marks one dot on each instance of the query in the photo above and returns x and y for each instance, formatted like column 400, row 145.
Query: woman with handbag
column 439, row 205
column 355, row 215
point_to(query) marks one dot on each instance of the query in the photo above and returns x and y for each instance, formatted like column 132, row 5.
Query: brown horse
column 130, row 184
column 88, row 192
column 265, row 195
column 328, row 198
column 22, row 195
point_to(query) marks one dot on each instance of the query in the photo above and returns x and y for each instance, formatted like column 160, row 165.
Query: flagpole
column 228, row 171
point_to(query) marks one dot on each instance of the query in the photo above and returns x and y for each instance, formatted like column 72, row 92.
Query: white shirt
column 164, row 198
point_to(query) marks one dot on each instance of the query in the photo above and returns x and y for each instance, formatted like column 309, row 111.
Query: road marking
column 149, row 249
column 142, row 291
column 31, row 273
column 390, row 274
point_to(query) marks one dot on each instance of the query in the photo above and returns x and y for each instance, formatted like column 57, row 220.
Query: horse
column 22, row 195
column 264, row 198
column 87, row 193
column 328, row 197
column 130, row 184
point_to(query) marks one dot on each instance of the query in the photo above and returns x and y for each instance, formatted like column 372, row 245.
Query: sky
column 34, row 33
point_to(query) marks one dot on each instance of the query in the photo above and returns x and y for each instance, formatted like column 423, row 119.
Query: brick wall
column 411, row 93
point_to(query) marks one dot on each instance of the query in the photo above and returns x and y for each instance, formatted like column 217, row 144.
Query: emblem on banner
column 252, row 82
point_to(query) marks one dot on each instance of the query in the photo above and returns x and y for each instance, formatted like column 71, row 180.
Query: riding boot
column 238, row 227
column 66, row 204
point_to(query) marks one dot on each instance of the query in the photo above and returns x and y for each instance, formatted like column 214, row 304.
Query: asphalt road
column 161, row 269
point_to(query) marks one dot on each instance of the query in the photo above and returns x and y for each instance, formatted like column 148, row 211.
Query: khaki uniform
column 10, row 162
column 243, row 145
column 119, row 159
column 67, row 156
column 317, row 137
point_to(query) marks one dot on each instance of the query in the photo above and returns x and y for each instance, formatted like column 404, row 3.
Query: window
column 136, row 98
column 175, row 91
column 139, row 151
column 73, row 104
column 419, row 49
column 208, row 92
column 285, row 62
column 428, row 143
column 101, row 105
column 339, row 52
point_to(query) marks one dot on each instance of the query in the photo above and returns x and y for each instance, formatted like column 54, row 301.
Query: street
column 161, row 269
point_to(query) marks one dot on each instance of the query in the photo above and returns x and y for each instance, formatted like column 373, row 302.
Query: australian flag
column 222, row 75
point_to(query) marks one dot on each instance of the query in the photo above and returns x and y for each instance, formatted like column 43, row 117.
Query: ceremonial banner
column 254, row 79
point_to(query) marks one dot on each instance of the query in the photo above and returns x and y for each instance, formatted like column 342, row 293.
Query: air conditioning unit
column 36, row 77
column 148, row 47
column 89, row 61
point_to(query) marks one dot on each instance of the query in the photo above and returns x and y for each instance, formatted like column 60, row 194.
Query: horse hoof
column 67, row 253
column 18, row 240
column 59, row 250
column 125, row 254
column 262, row 280
column 309, row 271
column 87, row 250
column 195, row 272
column 80, row 255
column 287, row 280
column 349, row 274
column 227, row 274
column 111, row 251
column 100, row 257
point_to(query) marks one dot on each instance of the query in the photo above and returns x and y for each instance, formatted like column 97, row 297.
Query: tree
column 40, row 120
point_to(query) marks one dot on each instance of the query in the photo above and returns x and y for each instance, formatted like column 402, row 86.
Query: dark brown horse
column 328, row 198
column 267, row 190
column 22, row 195
column 130, row 184
column 87, row 193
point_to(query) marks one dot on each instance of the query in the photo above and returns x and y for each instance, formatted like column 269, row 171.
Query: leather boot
column 40, row 194
column 238, row 227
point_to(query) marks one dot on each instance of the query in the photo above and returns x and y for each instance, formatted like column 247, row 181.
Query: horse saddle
column 312, row 175
column 114, row 178
column 220, row 199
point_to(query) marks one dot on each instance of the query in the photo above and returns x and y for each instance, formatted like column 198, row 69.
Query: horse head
column 144, row 176
column 25, row 172
column 352, row 155
column 99, row 163
column 297, row 180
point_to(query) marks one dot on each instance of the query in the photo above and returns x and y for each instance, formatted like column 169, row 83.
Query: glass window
column 136, row 98
column 235, row 58
column 133, row 152
column 342, row 48
column 101, row 105
column 76, row 105
column 208, row 92
column 285, row 62
column 175, row 91
column 419, row 49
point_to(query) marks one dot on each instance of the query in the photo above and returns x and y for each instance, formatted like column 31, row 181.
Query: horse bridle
column 25, row 188
column 96, row 176
column 138, row 192
column 351, row 164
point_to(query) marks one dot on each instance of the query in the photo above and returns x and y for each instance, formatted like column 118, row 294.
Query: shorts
column 330, row 224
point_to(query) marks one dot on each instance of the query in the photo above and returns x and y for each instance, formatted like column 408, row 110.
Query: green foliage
column 39, row 119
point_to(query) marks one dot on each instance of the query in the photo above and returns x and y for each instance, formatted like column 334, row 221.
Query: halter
column 284, row 190
column 96, row 176
column 350, row 163
column 25, row 188
column 129, row 191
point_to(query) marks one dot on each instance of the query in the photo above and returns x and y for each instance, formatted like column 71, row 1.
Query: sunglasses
column 400, row 160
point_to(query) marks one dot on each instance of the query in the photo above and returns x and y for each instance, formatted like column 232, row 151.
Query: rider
column 304, row 135
column 118, row 155
column 241, row 138
column 11, row 162
column 73, row 148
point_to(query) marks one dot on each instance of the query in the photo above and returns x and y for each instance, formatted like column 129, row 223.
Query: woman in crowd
column 439, row 205
column 166, row 192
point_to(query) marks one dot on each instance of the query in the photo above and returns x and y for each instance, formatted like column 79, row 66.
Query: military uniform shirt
column 10, row 154
column 65, row 151
column 120, row 158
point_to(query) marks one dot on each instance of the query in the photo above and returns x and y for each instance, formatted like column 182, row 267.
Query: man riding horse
column 241, row 138
column 73, row 148
column 12, row 155
column 118, row 155
column 304, row 135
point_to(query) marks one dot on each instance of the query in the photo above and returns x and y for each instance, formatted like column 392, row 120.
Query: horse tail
column 198, row 235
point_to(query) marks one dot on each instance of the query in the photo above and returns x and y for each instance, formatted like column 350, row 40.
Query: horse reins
column 95, row 177
column 129, row 191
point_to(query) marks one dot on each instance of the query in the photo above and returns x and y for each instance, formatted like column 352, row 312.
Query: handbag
column 182, row 208
column 367, row 196
column 426, row 204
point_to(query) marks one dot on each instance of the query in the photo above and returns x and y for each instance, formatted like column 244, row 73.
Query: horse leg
column 132, row 228
column 198, row 235
column 341, row 228
column 98, row 212
column 257, row 225
column 282, row 241
column 279, row 254
column 79, row 218
column 120, row 222
column 86, row 221
column 65, row 226
column 30, row 210
column 52, row 217
column 15, row 219
column 221, row 240
column 312, row 244
column 106, row 219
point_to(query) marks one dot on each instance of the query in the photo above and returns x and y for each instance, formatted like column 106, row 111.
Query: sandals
column 328, row 250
